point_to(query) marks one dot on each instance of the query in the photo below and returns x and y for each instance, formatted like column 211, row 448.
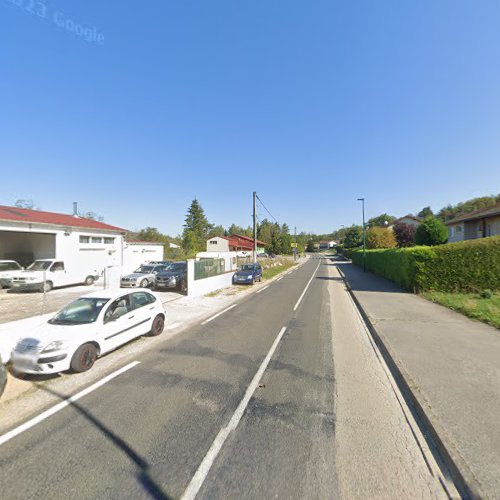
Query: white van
column 45, row 274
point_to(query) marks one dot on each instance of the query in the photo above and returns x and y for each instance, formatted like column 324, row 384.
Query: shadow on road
column 143, row 475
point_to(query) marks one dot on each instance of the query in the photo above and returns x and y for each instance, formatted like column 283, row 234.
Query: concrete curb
column 428, row 428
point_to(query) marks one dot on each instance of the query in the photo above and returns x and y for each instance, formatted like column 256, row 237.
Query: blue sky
column 310, row 103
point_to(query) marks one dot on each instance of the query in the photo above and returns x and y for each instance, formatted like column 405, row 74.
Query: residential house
column 233, row 243
column 407, row 219
column 478, row 224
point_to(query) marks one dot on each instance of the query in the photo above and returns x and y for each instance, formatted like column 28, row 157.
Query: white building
column 136, row 253
column 27, row 235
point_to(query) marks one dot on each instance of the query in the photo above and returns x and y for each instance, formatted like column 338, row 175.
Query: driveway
column 15, row 306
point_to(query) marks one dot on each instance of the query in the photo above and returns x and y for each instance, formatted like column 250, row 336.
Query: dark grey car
column 175, row 276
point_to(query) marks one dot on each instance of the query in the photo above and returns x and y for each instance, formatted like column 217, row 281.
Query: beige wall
column 217, row 244
column 474, row 229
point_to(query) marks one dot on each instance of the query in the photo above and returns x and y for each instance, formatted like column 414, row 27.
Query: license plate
column 23, row 362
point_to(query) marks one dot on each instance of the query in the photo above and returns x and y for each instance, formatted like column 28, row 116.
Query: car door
column 119, row 324
column 143, row 311
column 57, row 274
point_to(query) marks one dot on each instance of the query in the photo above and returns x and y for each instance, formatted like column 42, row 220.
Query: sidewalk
column 451, row 365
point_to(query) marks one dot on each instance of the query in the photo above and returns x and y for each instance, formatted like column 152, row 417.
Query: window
column 213, row 242
column 84, row 239
column 95, row 239
column 118, row 308
column 57, row 266
column 141, row 299
column 109, row 241
column 9, row 266
column 459, row 229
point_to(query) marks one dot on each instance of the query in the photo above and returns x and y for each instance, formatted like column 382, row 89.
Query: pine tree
column 196, row 229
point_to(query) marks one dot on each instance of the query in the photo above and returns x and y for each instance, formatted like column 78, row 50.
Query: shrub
column 431, row 232
column 466, row 266
column 379, row 237
column 396, row 264
column 405, row 234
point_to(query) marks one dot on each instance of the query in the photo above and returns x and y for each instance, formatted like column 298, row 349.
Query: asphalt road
column 196, row 417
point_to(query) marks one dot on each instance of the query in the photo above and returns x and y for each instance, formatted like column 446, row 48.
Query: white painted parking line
column 305, row 289
column 218, row 314
column 262, row 289
column 201, row 474
column 63, row 404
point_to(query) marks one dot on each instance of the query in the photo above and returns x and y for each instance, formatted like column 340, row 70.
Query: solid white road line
column 262, row 289
column 305, row 289
column 63, row 404
column 218, row 314
column 201, row 474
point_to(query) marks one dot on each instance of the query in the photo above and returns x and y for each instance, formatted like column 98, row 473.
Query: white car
column 88, row 328
column 7, row 267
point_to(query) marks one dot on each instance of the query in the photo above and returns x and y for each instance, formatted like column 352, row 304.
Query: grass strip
column 470, row 304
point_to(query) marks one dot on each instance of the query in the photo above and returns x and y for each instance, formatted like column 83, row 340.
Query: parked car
column 45, row 274
column 88, row 328
column 143, row 277
column 7, row 267
column 175, row 276
column 164, row 262
column 262, row 255
column 248, row 273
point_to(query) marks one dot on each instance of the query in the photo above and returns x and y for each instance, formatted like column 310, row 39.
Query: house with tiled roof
column 233, row 243
column 27, row 235
column 478, row 224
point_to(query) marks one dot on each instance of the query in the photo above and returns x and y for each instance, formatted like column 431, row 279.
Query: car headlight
column 57, row 345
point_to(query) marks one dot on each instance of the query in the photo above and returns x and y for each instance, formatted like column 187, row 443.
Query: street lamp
column 362, row 200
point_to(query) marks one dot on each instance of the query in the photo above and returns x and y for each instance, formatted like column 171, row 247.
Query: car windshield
column 144, row 269
column 247, row 267
column 9, row 266
column 40, row 265
column 176, row 267
column 81, row 311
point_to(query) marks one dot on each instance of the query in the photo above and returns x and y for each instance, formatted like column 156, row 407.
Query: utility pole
column 296, row 249
column 254, row 227
column 362, row 200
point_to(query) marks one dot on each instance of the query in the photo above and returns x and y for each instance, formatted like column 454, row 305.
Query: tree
column 353, row 237
column 92, row 216
column 151, row 234
column 216, row 231
column 405, row 234
column 451, row 211
column 425, row 212
column 196, row 229
column 382, row 220
column 431, row 232
column 28, row 204
column 379, row 237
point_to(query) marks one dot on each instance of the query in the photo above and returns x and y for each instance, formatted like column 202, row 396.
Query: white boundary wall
column 207, row 285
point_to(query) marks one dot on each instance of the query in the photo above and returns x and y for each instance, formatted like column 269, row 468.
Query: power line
column 264, row 207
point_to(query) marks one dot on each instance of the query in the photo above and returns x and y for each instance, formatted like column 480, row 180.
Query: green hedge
column 467, row 266
column 396, row 264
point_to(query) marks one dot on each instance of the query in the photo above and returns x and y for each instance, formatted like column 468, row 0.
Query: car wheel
column 157, row 326
column 46, row 286
column 3, row 377
column 84, row 358
column 253, row 281
column 144, row 283
column 89, row 280
column 183, row 286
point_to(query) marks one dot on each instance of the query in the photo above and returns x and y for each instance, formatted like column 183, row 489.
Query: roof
column 24, row 215
column 247, row 238
column 409, row 216
column 477, row 214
